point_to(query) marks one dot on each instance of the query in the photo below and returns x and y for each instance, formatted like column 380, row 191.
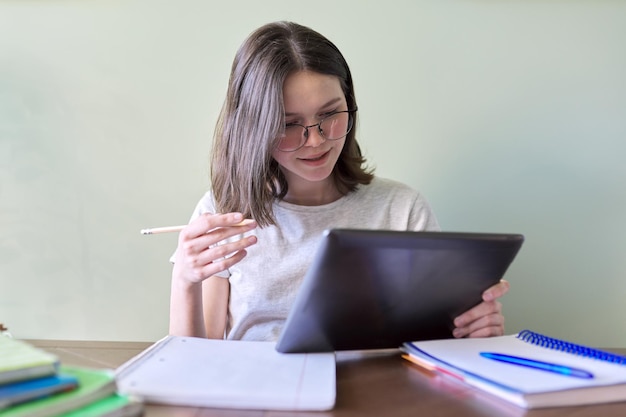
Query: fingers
column 496, row 291
column 484, row 320
column 204, row 249
column 216, row 254
column 197, row 270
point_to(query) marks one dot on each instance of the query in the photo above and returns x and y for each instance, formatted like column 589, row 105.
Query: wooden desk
column 380, row 384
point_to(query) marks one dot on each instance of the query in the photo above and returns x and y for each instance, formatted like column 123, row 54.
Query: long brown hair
column 244, row 175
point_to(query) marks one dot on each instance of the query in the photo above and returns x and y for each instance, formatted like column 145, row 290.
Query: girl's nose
column 314, row 138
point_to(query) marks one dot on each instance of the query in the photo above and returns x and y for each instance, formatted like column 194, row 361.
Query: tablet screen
column 372, row 289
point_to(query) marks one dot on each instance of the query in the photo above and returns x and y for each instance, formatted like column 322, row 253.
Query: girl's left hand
column 486, row 318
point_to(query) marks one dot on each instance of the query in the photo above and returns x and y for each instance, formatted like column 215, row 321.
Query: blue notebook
column 93, row 385
column 23, row 391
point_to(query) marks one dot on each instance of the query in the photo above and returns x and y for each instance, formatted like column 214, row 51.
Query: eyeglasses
column 335, row 126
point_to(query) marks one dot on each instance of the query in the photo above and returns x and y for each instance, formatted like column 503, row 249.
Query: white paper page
column 231, row 374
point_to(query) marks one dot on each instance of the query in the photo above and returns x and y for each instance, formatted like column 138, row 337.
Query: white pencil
column 167, row 229
column 170, row 229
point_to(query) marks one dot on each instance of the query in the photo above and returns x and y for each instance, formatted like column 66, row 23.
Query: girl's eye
column 327, row 114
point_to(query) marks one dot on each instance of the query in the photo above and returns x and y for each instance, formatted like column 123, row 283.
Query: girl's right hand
column 198, row 256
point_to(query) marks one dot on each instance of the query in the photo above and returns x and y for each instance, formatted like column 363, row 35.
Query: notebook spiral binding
column 556, row 344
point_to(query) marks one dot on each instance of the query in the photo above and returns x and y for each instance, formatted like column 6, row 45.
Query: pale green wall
column 509, row 115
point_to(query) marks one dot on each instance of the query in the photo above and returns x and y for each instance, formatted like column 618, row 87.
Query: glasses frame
column 319, row 129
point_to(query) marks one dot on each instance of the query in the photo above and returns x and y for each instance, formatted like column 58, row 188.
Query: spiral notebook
column 537, row 371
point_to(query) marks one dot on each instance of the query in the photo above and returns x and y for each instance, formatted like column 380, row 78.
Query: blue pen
column 544, row 366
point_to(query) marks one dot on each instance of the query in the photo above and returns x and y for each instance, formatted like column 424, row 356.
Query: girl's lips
column 313, row 158
column 316, row 159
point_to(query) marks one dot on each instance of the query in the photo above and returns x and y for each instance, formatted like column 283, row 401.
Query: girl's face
column 308, row 98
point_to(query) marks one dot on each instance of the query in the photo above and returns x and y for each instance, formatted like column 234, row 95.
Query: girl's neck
column 312, row 194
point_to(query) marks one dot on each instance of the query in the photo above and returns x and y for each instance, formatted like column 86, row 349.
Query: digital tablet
column 372, row 289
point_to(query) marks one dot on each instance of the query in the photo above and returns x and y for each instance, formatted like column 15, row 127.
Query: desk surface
column 368, row 384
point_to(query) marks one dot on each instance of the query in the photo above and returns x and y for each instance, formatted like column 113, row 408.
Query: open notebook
column 582, row 375
column 200, row 372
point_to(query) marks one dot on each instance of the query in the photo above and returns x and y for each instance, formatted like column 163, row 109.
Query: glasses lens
column 292, row 139
column 336, row 126
column 333, row 127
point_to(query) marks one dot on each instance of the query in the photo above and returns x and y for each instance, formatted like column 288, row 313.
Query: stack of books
column 34, row 383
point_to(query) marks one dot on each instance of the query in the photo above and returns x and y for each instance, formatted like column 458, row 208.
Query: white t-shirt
column 264, row 284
